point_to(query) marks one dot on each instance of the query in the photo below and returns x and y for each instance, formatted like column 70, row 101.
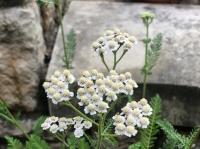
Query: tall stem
column 62, row 33
column 145, row 65
column 100, row 129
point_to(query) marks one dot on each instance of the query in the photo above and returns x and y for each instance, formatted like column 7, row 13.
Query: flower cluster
column 134, row 115
column 113, row 40
column 97, row 91
column 58, row 88
column 55, row 124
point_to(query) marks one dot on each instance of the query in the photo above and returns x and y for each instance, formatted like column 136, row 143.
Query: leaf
column 171, row 132
column 153, row 53
column 37, row 129
column 13, row 143
column 36, row 142
column 135, row 146
column 148, row 135
column 70, row 45
column 192, row 138
column 72, row 141
column 83, row 144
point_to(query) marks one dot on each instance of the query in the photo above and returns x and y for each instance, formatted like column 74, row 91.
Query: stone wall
column 22, row 51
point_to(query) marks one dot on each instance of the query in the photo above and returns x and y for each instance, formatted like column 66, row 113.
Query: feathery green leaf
column 70, row 48
column 13, row 143
column 135, row 146
column 148, row 135
column 36, row 142
column 37, row 129
column 153, row 53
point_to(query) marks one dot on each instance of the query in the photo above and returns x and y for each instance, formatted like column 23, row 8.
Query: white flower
column 118, row 119
column 78, row 126
column 45, row 125
column 144, row 121
column 78, row 133
column 102, row 107
column 130, row 131
column 91, row 109
column 78, row 119
column 146, row 110
column 54, row 128
column 120, row 128
column 52, row 119
column 87, row 124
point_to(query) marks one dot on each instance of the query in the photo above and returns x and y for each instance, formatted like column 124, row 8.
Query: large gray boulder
column 178, row 64
column 21, row 55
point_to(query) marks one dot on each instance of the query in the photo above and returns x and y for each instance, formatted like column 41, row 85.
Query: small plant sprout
column 113, row 41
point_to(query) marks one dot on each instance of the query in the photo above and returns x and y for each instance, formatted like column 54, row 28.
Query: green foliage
column 72, row 142
column 5, row 113
column 152, row 54
column 135, row 146
column 83, row 144
column 13, row 143
column 37, row 129
column 35, row 142
column 148, row 135
column 174, row 137
column 70, row 46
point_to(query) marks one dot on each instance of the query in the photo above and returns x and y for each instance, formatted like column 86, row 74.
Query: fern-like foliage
column 37, row 129
column 70, row 48
column 13, row 143
column 178, row 140
column 5, row 113
column 152, row 53
column 45, row 2
column 192, row 138
column 148, row 135
column 35, row 142
column 172, row 134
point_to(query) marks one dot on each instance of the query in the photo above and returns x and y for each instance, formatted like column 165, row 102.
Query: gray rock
column 21, row 55
column 179, row 62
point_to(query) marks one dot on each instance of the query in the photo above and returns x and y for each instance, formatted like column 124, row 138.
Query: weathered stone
column 179, row 61
column 21, row 55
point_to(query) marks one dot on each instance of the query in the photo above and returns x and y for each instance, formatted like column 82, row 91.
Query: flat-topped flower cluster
column 113, row 40
column 97, row 91
column 134, row 115
column 95, row 94
column 55, row 124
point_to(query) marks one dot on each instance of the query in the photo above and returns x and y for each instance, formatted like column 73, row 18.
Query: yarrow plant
column 97, row 94
column 93, row 97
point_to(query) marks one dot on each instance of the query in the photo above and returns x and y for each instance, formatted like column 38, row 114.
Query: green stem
column 61, row 140
column 80, row 113
column 115, row 59
column 104, row 62
column 18, row 125
column 63, row 34
column 119, row 59
column 109, row 135
column 145, row 65
column 100, row 129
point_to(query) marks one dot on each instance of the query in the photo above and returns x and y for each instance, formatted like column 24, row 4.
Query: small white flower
column 144, row 121
column 53, row 119
column 87, row 124
column 130, row 131
column 78, row 126
column 120, row 129
column 78, row 119
column 54, row 128
column 91, row 109
column 78, row 133
column 102, row 107
column 147, row 110
column 118, row 119
column 45, row 125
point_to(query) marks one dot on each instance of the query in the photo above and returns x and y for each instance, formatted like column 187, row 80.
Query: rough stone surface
column 179, row 60
column 21, row 55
